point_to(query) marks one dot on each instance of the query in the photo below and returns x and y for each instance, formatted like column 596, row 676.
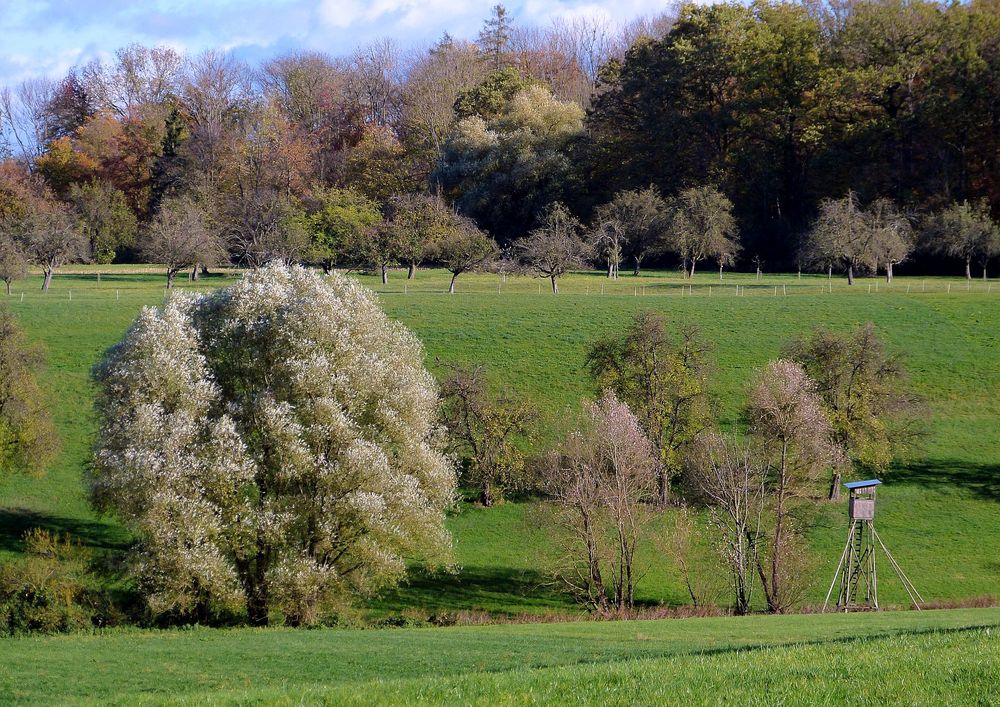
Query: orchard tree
column 787, row 416
column 28, row 441
column 180, row 238
column 462, row 247
column 603, row 479
column 840, row 235
column 273, row 447
column 418, row 221
column 555, row 247
column 13, row 264
column 702, row 226
column 486, row 427
column 664, row 380
column 892, row 237
column 865, row 394
column 51, row 236
column 964, row 230
column 632, row 224
column 339, row 226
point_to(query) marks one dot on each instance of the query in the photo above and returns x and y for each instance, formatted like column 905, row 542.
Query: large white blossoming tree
column 273, row 447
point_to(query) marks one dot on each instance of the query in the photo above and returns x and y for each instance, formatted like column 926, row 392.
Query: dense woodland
column 782, row 130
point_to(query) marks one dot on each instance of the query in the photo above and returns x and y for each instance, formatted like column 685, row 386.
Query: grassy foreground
column 909, row 657
column 938, row 512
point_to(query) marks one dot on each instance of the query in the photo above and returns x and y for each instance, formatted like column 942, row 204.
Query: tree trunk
column 194, row 273
column 451, row 287
column 638, row 263
column 693, row 261
column 47, row 280
column 720, row 272
column 850, row 274
column 326, row 267
column 662, row 489
column 555, row 286
column 7, row 282
column 968, row 268
column 385, row 274
column 486, row 495
column 888, row 272
column 829, row 272
column 170, row 278
column 835, row 485
column 411, row 271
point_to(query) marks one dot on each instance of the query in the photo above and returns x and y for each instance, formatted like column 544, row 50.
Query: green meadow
column 938, row 512
column 930, row 657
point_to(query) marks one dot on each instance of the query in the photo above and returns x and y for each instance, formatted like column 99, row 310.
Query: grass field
column 938, row 512
column 907, row 657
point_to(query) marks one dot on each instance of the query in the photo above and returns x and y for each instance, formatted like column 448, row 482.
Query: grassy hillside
column 926, row 657
column 938, row 512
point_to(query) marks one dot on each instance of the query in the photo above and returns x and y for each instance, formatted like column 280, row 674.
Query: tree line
column 800, row 135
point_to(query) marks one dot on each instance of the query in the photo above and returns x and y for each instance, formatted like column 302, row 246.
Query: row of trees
column 880, row 236
column 780, row 106
column 832, row 403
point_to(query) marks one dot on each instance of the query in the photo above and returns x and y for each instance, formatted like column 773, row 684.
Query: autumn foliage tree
column 273, row 447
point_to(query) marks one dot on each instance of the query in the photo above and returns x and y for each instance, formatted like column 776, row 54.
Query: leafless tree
column 139, row 79
column 602, row 480
column 375, row 82
column 433, row 84
column 24, row 110
column 787, row 415
column 841, row 234
column 728, row 475
column 641, row 218
column 633, row 222
column 216, row 89
column 555, row 247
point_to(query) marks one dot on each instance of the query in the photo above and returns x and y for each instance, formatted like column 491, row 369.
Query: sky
column 47, row 38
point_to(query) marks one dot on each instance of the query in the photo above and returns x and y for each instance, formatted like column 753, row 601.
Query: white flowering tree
column 273, row 446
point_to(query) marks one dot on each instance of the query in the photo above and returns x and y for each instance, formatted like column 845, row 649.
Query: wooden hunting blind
column 856, row 569
column 861, row 505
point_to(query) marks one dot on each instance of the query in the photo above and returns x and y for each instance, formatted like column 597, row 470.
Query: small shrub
column 51, row 589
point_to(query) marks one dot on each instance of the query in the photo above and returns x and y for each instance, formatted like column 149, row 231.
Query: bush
column 50, row 590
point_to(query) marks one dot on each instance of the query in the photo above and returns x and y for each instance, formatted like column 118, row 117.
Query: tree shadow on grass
column 981, row 479
column 15, row 522
column 492, row 589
